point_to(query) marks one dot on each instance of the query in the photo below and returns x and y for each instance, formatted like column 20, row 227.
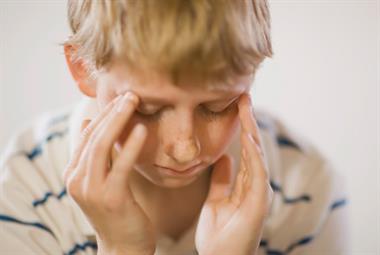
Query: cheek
column 220, row 132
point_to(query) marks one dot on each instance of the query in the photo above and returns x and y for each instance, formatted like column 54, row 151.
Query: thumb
column 221, row 178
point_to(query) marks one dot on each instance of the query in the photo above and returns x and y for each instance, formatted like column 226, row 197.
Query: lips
column 180, row 171
column 182, row 174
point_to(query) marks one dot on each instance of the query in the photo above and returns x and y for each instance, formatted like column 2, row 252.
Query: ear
column 79, row 72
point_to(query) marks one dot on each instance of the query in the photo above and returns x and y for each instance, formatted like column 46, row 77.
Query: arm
column 316, row 225
column 332, row 234
column 36, row 215
column 22, row 230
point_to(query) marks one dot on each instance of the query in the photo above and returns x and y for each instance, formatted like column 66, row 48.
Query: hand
column 102, row 191
column 232, row 222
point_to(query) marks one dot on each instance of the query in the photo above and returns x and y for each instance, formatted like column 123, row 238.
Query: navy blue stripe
column 302, row 241
column 302, row 198
column 274, row 252
column 280, row 138
column 7, row 218
column 269, row 251
column 284, row 141
column 82, row 247
column 37, row 150
column 338, row 203
column 41, row 201
column 264, row 244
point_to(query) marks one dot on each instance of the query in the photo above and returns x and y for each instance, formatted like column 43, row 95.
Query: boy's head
column 196, row 56
column 215, row 40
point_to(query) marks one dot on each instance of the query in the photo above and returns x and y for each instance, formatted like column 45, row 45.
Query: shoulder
column 307, row 186
column 37, row 145
column 301, row 175
column 33, row 201
column 296, row 157
column 296, row 164
column 45, row 127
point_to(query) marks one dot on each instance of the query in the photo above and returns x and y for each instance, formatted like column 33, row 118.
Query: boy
column 188, row 66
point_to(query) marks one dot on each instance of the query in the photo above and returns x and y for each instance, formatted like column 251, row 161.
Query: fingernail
column 131, row 96
column 122, row 104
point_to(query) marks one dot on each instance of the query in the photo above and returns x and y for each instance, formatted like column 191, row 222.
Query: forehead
column 150, row 84
column 162, row 96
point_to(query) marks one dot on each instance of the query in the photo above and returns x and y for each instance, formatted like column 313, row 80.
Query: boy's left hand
column 232, row 222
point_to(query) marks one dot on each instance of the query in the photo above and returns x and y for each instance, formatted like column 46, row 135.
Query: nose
column 183, row 145
column 184, row 150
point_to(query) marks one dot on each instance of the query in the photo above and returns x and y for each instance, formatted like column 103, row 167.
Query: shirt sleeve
column 331, row 233
column 311, row 215
column 36, row 214
column 22, row 230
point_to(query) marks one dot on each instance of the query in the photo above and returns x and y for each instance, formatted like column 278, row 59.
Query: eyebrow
column 158, row 101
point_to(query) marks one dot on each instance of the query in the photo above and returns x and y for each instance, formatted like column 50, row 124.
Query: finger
column 248, row 122
column 258, row 188
column 237, row 193
column 84, row 138
column 256, row 168
column 90, row 128
column 117, row 180
column 106, row 136
column 221, row 179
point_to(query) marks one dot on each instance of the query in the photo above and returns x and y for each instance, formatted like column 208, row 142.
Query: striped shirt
column 309, row 214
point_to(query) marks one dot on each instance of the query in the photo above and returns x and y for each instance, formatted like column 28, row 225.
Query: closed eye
column 206, row 112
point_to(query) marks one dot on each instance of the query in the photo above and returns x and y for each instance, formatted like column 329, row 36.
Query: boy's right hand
column 102, row 191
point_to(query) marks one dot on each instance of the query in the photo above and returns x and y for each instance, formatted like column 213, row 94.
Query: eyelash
column 209, row 115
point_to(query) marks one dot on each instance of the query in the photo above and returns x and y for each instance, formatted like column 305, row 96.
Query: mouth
column 184, row 173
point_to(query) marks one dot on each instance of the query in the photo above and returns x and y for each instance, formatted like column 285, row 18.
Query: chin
column 172, row 183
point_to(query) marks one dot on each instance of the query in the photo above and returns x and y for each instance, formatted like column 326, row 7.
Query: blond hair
column 215, row 39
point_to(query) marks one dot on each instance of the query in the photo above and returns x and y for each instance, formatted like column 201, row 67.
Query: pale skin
column 122, row 201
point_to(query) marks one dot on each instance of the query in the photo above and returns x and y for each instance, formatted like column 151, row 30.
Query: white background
column 323, row 82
